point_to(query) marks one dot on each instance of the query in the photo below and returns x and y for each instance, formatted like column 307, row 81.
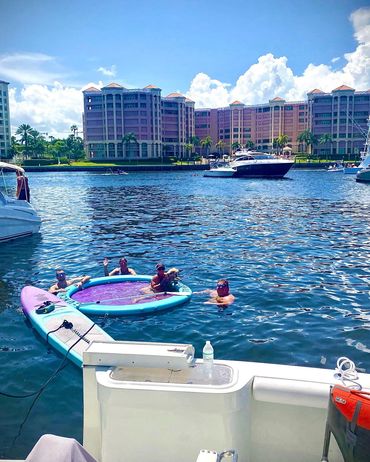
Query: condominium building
column 161, row 126
column 177, row 124
column 342, row 116
column 260, row 124
column 5, row 140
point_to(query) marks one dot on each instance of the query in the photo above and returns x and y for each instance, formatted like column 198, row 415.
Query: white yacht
column 17, row 217
column 365, row 155
column 156, row 402
column 255, row 164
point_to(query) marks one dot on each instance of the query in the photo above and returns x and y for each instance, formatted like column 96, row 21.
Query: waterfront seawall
column 152, row 168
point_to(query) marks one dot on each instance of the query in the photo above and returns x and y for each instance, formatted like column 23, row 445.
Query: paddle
column 154, row 294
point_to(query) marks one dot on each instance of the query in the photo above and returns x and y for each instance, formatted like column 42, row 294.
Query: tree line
column 29, row 143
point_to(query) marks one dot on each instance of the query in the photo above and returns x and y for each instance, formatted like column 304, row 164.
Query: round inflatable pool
column 123, row 295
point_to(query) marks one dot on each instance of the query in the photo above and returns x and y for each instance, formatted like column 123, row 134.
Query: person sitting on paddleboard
column 123, row 269
column 221, row 296
column 62, row 281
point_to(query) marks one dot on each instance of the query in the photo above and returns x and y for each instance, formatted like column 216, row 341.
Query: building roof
column 175, row 95
column 150, row 87
column 237, row 103
column 92, row 89
column 188, row 100
column 3, row 81
column 315, row 91
column 277, row 98
column 343, row 88
column 113, row 85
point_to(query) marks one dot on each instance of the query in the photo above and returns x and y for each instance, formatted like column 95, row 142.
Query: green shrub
column 37, row 162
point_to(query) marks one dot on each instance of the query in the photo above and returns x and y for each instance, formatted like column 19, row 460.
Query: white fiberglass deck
column 138, row 409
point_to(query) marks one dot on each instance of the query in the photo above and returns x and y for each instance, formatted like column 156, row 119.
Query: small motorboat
column 17, row 217
column 220, row 171
column 336, row 168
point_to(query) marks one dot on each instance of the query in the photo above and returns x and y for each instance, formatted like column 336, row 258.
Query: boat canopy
column 14, row 168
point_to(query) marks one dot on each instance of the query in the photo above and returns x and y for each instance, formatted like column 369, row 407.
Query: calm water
column 296, row 252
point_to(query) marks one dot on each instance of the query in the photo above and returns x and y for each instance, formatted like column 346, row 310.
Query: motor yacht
column 255, row 164
column 17, row 217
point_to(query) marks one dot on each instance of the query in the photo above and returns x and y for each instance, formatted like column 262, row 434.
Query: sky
column 212, row 51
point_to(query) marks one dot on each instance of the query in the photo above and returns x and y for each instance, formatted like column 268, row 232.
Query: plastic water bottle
column 208, row 353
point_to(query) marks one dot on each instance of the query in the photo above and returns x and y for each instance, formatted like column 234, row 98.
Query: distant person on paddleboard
column 123, row 268
column 62, row 281
column 221, row 296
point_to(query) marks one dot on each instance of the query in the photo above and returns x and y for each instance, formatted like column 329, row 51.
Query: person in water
column 221, row 296
column 62, row 281
column 123, row 268
column 23, row 190
column 159, row 281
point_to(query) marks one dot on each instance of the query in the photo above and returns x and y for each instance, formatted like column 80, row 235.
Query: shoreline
column 152, row 168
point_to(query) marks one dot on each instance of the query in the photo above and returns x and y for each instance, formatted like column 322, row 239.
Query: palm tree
column 24, row 131
column 220, row 145
column 326, row 138
column 206, row 143
column 280, row 141
column 189, row 148
column 74, row 130
column 249, row 144
column 308, row 138
column 235, row 146
column 130, row 140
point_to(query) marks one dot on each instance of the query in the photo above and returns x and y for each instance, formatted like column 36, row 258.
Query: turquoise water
column 296, row 252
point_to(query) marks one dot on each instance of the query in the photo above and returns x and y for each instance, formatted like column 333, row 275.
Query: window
column 322, row 122
column 288, row 108
column 301, row 107
column 266, row 109
column 142, row 104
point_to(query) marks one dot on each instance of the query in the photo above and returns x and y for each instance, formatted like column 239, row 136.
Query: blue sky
column 208, row 50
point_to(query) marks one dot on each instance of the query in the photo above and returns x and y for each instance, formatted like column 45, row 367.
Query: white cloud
column 271, row 76
column 52, row 109
column 28, row 68
column 334, row 60
column 108, row 72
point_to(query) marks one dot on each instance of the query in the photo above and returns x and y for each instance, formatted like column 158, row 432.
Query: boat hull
column 17, row 221
column 263, row 170
column 363, row 176
column 220, row 173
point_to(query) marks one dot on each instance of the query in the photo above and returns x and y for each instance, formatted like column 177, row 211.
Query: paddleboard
column 47, row 313
column 124, row 295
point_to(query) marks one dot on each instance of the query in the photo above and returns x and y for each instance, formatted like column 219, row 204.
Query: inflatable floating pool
column 123, row 295
column 64, row 328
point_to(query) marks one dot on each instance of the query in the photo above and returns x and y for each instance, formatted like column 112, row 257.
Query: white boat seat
column 291, row 392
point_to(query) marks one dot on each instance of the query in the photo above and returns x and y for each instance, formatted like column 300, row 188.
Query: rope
column 38, row 393
column 346, row 372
